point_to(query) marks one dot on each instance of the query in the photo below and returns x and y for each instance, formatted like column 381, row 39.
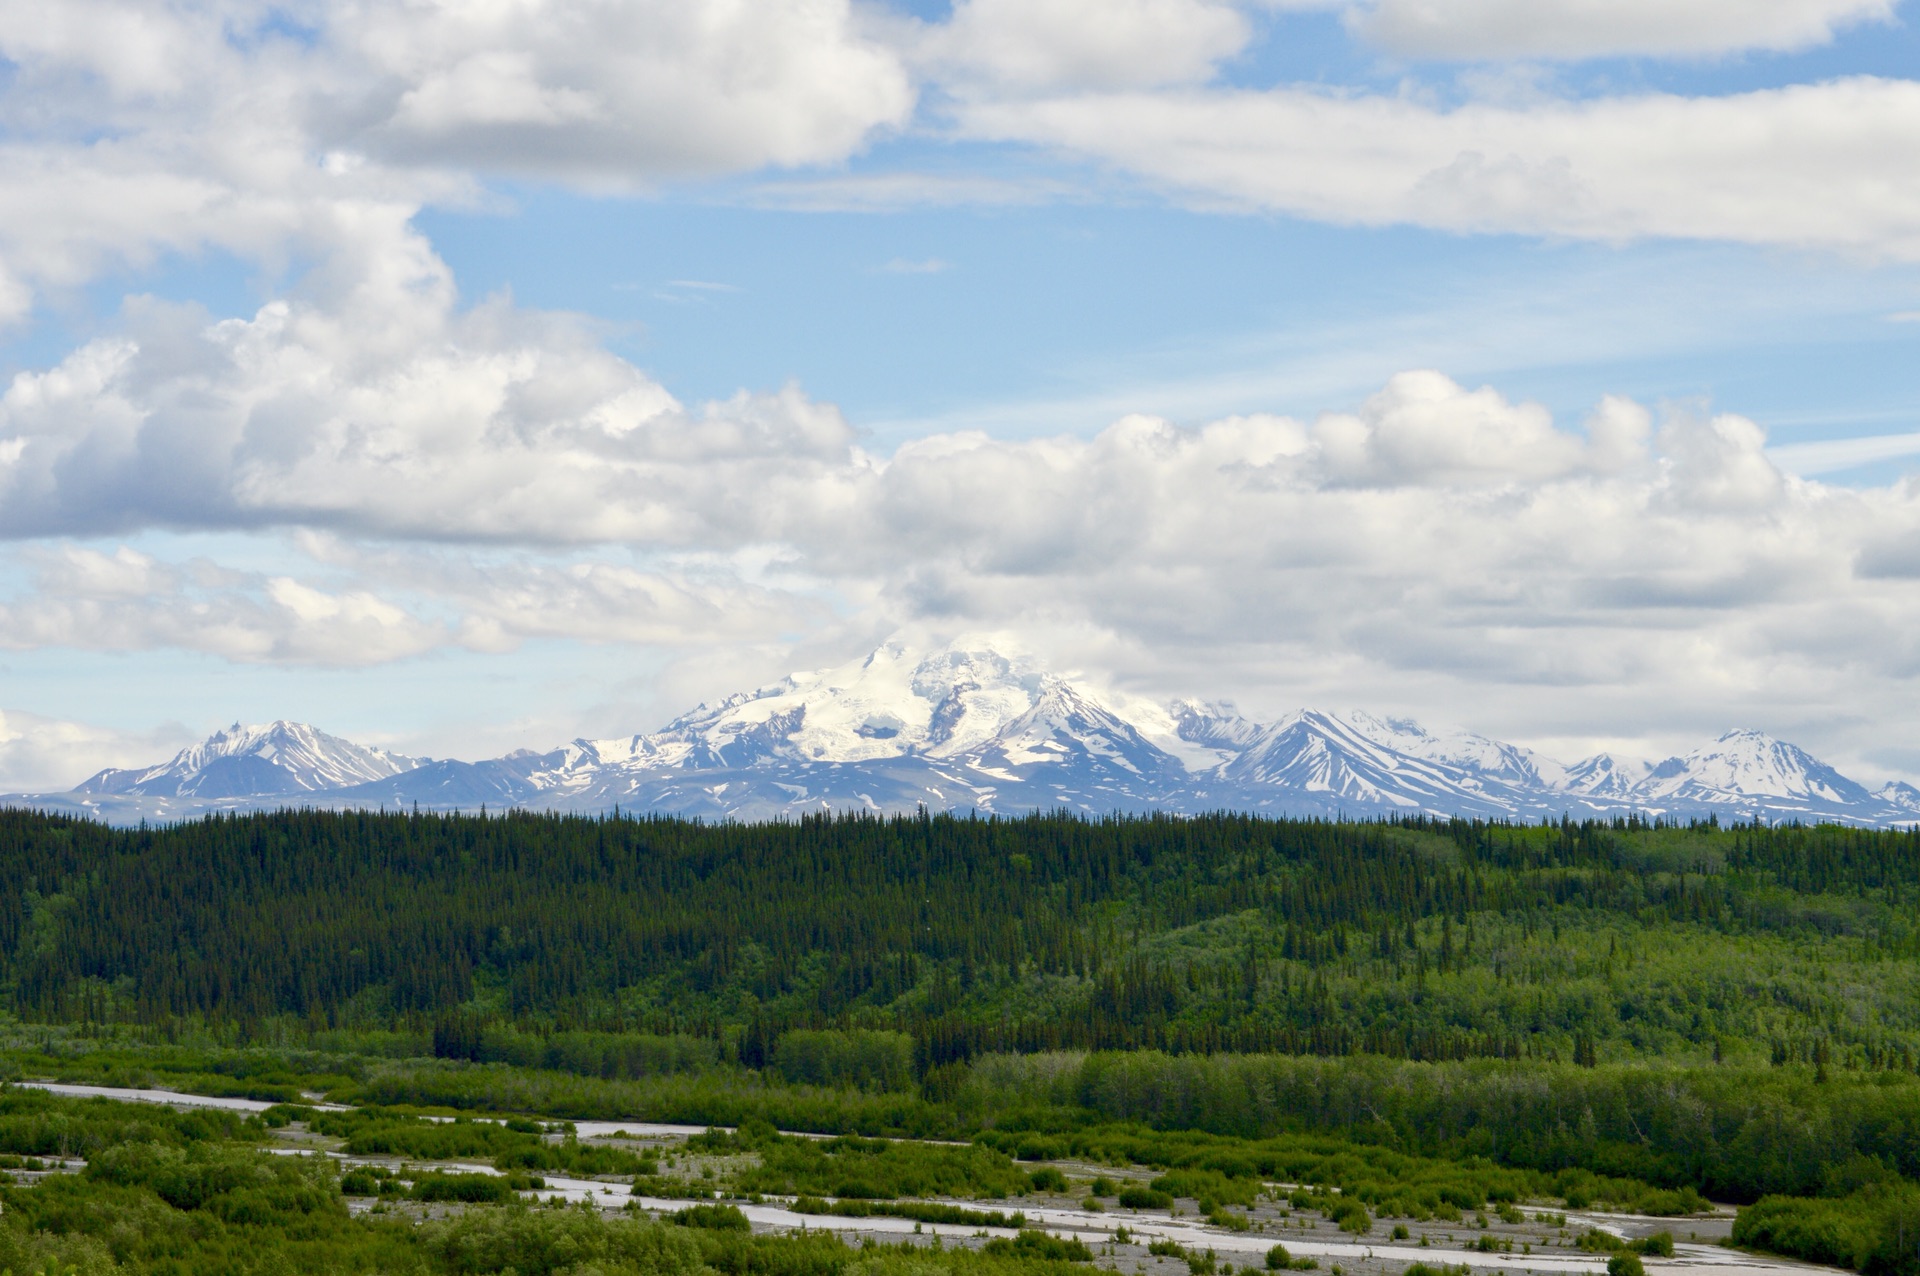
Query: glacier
column 978, row 726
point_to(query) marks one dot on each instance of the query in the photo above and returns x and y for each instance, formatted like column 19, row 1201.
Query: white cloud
column 620, row 92
column 391, row 411
column 1438, row 549
column 1826, row 456
column 127, row 601
column 1819, row 165
column 47, row 755
column 1571, row 29
column 345, row 607
column 1045, row 45
column 137, row 130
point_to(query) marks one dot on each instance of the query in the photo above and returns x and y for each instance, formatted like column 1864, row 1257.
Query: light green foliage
column 860, row 1060
column 880, row 1169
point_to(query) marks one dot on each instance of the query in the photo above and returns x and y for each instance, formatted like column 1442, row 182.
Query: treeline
column 610, row 947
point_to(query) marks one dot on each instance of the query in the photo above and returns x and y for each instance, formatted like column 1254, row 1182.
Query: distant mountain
column 278, row 758
column 973, row 727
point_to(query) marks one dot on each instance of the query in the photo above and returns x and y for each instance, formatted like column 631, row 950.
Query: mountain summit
column 973, row 726
column 250, row 761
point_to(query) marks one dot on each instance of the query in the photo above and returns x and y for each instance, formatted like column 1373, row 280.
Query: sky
column 461, row 377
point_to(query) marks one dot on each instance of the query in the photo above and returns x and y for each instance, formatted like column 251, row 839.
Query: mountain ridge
column 971, row 727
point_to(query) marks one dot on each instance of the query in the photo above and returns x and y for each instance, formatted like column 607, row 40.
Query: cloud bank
column 488, row 477
column 482, row 476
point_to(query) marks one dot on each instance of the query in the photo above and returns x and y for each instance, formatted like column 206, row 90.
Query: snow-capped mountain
column 273, row 758
column 978, row 726
column 1605, row 776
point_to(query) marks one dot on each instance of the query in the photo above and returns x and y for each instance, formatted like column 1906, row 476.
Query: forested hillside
column 1583, row 943
column 1427, row 1017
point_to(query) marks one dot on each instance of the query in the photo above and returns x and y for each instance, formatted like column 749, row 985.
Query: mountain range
column 970, row 727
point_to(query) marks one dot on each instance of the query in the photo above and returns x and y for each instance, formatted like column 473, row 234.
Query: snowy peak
column 896, row 702
column 1461, row 750
column 1744, row 765
column 1900, row 795
column 242, row 761
column 1605, row 776
column 1065, row 725
column 1354, row 758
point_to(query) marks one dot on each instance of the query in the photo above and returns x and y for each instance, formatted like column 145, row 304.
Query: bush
column 1145, row 1198
column 1625, row 1264
column 1034, row 1244
column 472, row 1189
column 1352, row 1216
column 715, row 1218
column 1278, row 1259
column 1047, row 1179
column 1660, row 1244
column 549, row 1242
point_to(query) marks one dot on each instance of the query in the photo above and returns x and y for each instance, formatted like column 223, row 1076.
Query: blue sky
column 462, row 378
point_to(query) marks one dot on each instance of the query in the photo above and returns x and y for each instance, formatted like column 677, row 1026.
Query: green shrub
column 1278, row 1259
column 1145, row 1198
column 1033, row 1244
column 1626, row 1264
column 718, row 1218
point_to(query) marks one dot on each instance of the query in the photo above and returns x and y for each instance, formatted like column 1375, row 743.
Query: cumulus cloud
column 1435, row 542
column 394, row 412
column 1818, row 165
column 136, row 130
column 1571, row 29
column 638, row 91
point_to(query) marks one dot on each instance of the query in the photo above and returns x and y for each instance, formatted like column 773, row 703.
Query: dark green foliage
column 1278, row 1259
column 698, row 946
column 35, row 1123
column 372, row 1132
column 880, row 1169
column 1038, row 1245
column 235, row 1184
column 719, row 1218
column 861, row 1060
column 1875, row 1230
column 471, row 1188
column 547, row 1242
column 1144, row 1198
column 1626, row 1264
column 920, row 1211
column 1047, row 1179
